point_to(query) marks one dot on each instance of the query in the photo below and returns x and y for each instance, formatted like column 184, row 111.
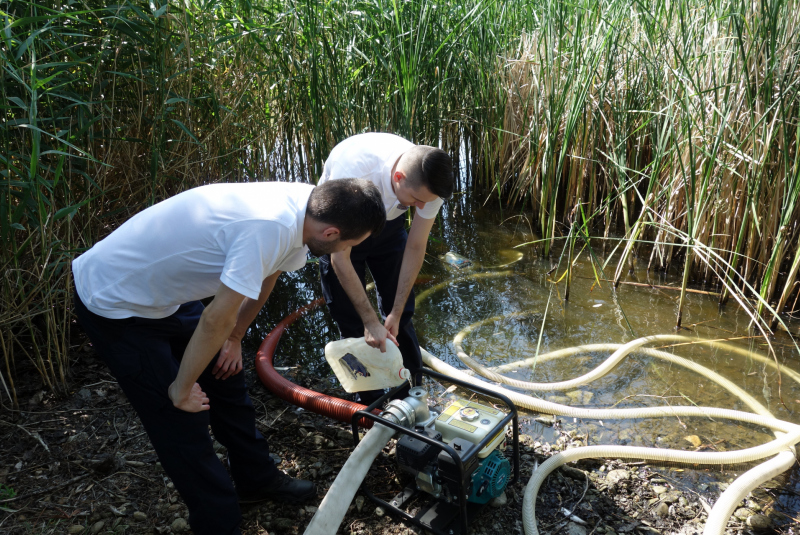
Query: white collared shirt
column 181, row 249
column 371, row 157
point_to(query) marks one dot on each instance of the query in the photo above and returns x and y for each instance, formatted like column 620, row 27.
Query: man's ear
column 398, row 176
column 331, row 233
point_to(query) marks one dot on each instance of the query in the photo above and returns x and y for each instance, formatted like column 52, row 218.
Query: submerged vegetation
column 675, row 123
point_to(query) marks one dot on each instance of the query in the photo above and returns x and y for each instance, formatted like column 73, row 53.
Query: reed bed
column 675, row 121
column 108, row 109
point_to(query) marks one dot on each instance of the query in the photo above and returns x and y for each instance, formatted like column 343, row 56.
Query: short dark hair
column 430, row 167
column 353, row 205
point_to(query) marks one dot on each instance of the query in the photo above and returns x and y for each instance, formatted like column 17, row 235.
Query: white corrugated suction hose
column 741, row 487
column 334, row 506
column 787, row 434
column 476, row 275
column 763, row 418
column 620, row 351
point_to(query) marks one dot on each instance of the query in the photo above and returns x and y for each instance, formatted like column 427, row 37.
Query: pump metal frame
column 407, row 494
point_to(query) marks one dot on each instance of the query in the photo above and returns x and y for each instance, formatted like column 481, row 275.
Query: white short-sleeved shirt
column 181, row 249
column 371, row 157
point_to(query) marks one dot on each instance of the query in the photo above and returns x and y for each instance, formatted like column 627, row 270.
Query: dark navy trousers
column 383, row 255
column 143, row 355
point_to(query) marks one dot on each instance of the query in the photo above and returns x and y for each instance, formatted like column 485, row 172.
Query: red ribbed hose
column 335, row 408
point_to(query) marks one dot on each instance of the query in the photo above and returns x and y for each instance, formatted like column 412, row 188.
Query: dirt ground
column 83, row 464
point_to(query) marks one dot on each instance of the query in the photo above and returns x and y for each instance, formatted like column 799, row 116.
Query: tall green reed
column 688, row 135
column 676, row 120
column 110, row 108
column 103, row 114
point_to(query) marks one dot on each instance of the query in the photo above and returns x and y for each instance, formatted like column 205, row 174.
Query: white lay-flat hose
column 334, row 506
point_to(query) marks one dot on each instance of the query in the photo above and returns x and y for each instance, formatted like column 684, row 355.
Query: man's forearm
column 349, row 280
column 409, row 269
column 204, row 344
column 413, row 256
column 247, row 313
column 214, row 327
column 250, row 308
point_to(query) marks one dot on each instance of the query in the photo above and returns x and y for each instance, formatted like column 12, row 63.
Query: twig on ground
column 278, row 416
column 131, row 474
column 35, row 435
column 43, row 491
column 133, row 437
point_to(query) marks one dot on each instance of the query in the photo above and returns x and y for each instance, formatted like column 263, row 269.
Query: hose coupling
column 410, row 411
column 400, row 412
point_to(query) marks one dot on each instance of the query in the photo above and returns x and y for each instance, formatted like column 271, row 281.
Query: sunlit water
column 593, row 314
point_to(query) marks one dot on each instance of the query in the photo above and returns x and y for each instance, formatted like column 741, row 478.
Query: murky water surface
column 532, row 318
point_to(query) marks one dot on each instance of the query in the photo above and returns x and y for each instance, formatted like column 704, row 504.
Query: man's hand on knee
column 193, row 401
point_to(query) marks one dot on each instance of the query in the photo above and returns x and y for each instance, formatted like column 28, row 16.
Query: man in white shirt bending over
column 407, row 175
column 138, row 297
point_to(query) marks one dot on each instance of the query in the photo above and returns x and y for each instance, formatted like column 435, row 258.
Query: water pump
column 456, row 458
column 462, row 425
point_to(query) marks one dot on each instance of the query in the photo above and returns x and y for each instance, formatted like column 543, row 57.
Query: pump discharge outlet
column 360, row 367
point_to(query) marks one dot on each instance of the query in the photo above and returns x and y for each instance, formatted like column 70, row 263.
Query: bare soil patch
column 83, row 464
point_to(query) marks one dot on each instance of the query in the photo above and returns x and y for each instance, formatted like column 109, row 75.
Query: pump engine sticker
column 484, row 408
column 461, row 425
column 451, row 410
column 353, row 366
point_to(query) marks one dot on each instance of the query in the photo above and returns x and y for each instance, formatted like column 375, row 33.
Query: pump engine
column 462, row 425
column 456, row 457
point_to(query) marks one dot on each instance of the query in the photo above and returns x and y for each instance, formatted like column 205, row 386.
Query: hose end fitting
column 410, row 411
column 400, row 412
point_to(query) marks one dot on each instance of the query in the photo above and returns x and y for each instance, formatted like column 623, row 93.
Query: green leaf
column 59, row 170
column 41, row 83
column 183, row 127
column 18, row 101
column 124, row 75
column 37, row 129
column 67, row 211
column 28, row 42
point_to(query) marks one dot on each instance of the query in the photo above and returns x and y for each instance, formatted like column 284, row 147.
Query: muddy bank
column 84, row 465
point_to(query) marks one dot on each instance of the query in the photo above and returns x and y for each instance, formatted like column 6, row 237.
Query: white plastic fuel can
column 360, row 367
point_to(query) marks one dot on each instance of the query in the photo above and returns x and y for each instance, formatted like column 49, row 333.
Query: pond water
column 593, row 314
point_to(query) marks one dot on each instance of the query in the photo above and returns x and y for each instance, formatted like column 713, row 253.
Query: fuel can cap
column 468, row 414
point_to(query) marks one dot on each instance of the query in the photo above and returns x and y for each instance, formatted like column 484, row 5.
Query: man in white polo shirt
column 407, row 175
column 138, row 297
